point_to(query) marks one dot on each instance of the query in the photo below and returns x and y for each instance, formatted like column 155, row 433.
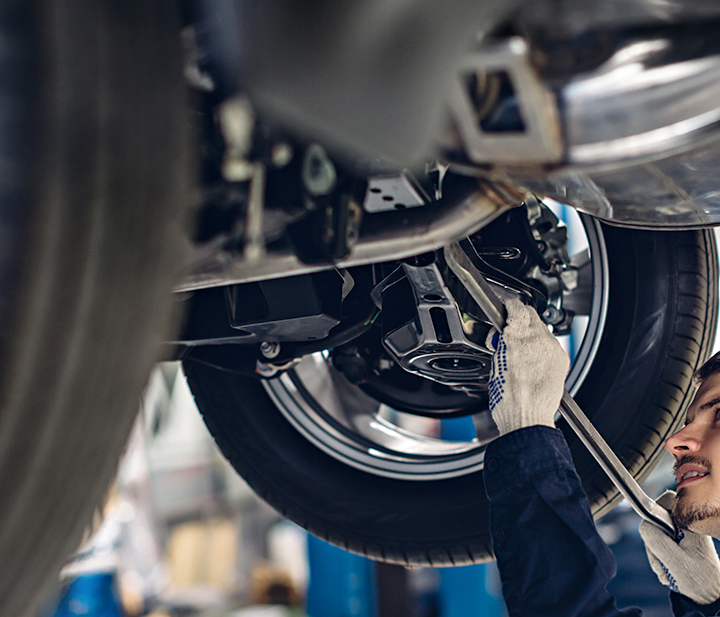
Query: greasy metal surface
column 383, row 237
column 650, row 98
column 482, row 294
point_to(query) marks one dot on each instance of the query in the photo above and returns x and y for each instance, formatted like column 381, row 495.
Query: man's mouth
column 692, row 474
column 688, row 473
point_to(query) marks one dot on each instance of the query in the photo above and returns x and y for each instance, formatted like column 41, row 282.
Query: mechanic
column 551, row 559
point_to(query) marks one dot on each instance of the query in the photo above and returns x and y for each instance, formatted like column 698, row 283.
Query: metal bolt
column 281, row 154
column 318, row 172
column 265, row 370
column 269, row 350
column 569, row 277
column 385, row 364
column 551, row 315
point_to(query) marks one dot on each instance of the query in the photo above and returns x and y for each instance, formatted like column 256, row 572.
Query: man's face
column 696, row 448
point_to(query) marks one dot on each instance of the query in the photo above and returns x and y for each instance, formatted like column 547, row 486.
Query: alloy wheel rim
column 347, row 424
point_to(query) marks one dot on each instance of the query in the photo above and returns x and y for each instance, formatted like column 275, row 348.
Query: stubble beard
column 703, row 517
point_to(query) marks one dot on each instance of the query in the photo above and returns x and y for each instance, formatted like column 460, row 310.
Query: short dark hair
column 710, row 367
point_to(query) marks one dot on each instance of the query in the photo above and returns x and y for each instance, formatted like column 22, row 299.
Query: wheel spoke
column 580, row 299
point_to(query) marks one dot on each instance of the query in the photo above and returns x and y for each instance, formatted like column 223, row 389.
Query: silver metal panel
column 391, row 193
column 631, row 107
column 678, row 192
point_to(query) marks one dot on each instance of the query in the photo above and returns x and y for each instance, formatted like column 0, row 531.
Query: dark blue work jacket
column 551, row 559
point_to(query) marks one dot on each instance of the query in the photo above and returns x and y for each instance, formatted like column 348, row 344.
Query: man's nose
column 686, row 441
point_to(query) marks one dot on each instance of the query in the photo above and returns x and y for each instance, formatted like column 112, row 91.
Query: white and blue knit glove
column 528, row 372
column 689, row 566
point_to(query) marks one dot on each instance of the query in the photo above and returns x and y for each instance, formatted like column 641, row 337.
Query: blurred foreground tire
column 93, row 177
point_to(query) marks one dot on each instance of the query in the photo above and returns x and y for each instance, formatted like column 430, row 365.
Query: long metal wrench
column 492, row 306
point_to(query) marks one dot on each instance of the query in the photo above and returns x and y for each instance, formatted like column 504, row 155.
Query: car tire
column 659, row 328
column 94, row 152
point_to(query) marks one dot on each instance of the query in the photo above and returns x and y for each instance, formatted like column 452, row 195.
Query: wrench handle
column 611, row 465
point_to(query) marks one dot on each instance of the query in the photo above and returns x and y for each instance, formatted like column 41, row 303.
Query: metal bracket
column 437, row 347
column 541, row 141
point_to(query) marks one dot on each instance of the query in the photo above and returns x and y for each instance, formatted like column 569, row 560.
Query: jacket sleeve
column 551, row 559
column 683, row 606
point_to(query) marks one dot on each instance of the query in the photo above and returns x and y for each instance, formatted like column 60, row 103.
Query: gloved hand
column 690, row 566
column 528, row 372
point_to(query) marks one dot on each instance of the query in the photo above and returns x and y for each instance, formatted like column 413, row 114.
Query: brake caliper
column 552, row 264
